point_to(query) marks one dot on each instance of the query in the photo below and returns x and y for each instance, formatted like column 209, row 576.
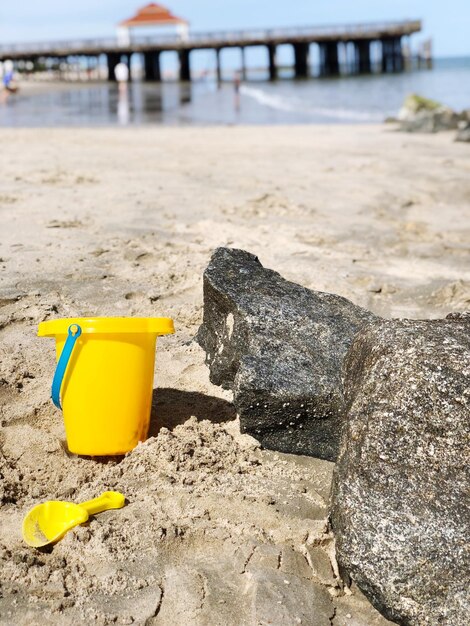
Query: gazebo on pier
column 152, row 26
column 153, row 21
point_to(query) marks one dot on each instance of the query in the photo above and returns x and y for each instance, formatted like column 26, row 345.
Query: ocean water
column 358, row 99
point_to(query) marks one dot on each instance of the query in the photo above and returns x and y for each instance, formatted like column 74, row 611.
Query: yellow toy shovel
column 48, row 522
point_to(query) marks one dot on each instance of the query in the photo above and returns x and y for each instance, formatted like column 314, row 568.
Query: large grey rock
column 279, row 347
column 463, row 134
column 400, row 512
column 415, row 104
column 422, row 115
column 432, row 121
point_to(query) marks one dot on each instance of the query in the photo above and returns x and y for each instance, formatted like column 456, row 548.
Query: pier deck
column 328, row 38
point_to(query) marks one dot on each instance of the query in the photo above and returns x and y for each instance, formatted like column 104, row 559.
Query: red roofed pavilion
column 153, row 14
column 152, row 19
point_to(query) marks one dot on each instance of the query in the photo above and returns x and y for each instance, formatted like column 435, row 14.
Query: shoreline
column 345, row 101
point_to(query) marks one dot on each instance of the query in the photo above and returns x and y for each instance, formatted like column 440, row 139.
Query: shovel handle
column 107, row 500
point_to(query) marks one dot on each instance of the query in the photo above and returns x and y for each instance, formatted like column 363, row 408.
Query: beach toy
column 104, row 379
column 48, row 522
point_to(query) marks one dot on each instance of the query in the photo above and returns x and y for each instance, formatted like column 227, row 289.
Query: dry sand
column 123, row 222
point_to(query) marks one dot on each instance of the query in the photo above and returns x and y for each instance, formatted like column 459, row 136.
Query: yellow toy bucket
column 104, row 379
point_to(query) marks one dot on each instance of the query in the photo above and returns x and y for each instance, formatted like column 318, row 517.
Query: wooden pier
column 334, row 44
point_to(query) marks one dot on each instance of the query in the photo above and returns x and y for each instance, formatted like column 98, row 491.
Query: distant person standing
column 121, row 74
column 236, row 85
column 8, row 77
column 8, row 80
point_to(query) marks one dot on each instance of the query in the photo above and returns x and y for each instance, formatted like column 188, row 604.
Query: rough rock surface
column 422, row 115
column 399, row 509
column 443, row 118
column 279, row 347
column 414, row 104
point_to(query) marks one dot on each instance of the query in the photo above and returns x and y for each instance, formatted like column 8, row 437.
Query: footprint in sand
column 60, row 176
column 455, row 294
column 5, row 199
column 138, row 257
column 65, row 224
column 268, row 204
column 99, row 252
column 134, row 295
column 81, row 180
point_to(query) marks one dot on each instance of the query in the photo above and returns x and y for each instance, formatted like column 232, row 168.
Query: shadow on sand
column 171, row 407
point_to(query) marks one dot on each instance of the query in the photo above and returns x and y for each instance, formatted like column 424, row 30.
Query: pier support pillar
column 243, row 68
column 127, row 61
column 388, row 55
column 363, row 61
column 301, row 56
column 152, row 70
column 398, row 58
column 385, row 54
column 185, row 67
column 218, row 66
column 112, row 59
column 392, row 55
column 329, row 61
column 272, row 62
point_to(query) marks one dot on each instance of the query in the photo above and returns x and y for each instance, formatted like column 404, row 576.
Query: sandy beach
column 122, row 222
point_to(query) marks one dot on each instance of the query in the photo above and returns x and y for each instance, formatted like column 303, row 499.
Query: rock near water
column 399, row 508
column 463, row 133
column 279, row 347
column 442, row 119
column 422, row 115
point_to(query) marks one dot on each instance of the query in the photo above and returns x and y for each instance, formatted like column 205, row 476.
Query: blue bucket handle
column 74, row 333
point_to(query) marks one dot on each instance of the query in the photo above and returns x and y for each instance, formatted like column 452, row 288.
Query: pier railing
column 214, row 39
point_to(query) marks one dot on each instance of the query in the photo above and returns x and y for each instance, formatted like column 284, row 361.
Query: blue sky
column 34, row 20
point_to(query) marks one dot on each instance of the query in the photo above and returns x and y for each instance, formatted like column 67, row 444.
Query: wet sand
column 123, row 222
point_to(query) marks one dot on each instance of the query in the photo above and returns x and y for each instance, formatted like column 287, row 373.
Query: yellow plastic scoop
column 49, row 521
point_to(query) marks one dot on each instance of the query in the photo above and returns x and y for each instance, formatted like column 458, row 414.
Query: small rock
column 265, row 556
column 279, row 347
column 354, row 609
column 321, row 565
column 399, row 508
column 278, row 599
column 294, row 563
